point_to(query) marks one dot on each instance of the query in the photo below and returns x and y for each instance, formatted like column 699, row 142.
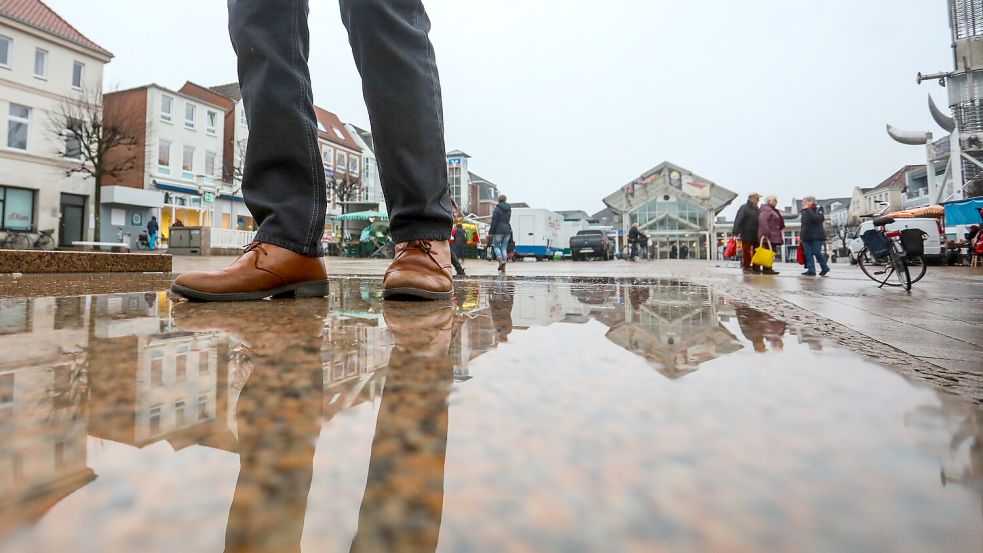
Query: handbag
column 763, row 257
column 731, row 249
column 800, row 255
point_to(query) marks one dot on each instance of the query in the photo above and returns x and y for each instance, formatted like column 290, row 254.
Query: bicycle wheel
column 16, row 241
column 916, row 267
column 45, row 243
column 878, row 271
column 901, row 270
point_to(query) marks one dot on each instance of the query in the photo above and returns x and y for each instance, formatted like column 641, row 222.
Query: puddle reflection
column 268, row 382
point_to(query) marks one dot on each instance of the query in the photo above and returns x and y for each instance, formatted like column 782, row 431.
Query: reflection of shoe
column 769, row 272
column 501, row 267
column 421, row 270
column 746, row 271
column 266, row 327
column 263, row 270
column 808, row 273
column 420, row 327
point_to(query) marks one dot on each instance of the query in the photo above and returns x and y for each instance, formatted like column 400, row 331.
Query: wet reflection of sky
column 564, row 415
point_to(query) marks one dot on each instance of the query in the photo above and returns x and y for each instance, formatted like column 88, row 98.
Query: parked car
column 934, row 237
column 591, row 243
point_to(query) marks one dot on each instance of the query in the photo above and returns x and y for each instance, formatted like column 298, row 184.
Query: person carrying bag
column 764, row 257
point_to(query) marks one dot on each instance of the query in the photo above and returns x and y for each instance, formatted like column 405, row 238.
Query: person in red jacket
column 770, row 226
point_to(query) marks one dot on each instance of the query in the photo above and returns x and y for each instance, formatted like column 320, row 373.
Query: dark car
column 591, row 243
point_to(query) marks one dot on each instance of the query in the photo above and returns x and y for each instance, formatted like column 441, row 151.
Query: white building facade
column 39, row 72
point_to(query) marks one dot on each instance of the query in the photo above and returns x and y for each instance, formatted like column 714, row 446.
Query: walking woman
column 770, row 226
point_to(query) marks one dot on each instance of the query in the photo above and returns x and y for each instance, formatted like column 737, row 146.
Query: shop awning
column 963, row 212
column 361, row 216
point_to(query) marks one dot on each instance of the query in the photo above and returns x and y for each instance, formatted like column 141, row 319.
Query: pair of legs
column 283, row 181
column 813, row 250
column 500, row 245
column 747, row 252
column 152, row 241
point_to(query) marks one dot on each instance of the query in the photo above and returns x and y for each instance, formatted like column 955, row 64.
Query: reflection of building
column 43, row 456
column 674, row 207
column 44, row 62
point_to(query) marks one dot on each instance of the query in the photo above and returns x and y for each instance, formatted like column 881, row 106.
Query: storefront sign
column 209, row 197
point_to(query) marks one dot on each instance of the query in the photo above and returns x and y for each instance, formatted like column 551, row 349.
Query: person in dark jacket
column 459, row 246
column 684, row 252
column 633, row 237
column 770, row 226
column 673, row 252
column 501, row 231
column 813, row 237
column 746, row 230
column 152, row 229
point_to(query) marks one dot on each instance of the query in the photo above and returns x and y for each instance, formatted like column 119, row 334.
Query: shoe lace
column 424, row 246
column 256, row 245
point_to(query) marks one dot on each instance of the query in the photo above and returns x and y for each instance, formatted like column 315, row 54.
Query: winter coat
column 633, row 235
column 501, row 219
column 746, row 223
column 812, row 225
column 770, row 224
column 152, row 227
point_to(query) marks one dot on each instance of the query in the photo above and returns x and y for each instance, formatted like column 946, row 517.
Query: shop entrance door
column 71, row 226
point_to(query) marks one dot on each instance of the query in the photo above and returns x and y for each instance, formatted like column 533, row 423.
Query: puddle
column 551, row 415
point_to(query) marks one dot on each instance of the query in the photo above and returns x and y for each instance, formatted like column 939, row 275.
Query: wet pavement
column 556, row 414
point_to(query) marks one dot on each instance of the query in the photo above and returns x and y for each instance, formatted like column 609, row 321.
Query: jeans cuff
column 415, row 234
column 316, row 251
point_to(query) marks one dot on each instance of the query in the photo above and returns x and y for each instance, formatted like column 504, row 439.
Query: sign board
column 208, row 197
column 695, row 188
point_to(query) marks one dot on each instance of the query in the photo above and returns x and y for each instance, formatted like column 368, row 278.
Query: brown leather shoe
column 421, row 270
column 263, row 270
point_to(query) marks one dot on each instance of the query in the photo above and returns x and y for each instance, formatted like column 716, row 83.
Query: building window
column 17, row 126
column 353, row 167
column 340, row 161
column 164, row 157
column 6, row 397
column 155, row 420
column 156, row 369
column 188, row 163
column 73, row 149
column 328, row 157
column 41, row 63
column 203, row 363
column 338, row 133
column 166, row 108
column 210, row 166
column 189, row 115
column 78, row 75
column 16, row 208
column 242, row 118
column 5, row 44
column 212, row 122
column 202, row 407
column 179, row 418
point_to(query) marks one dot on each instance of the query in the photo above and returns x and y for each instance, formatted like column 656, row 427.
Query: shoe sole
column 414, row 294
column 309, row 289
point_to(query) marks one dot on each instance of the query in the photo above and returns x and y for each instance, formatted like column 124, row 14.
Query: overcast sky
column 560, row 102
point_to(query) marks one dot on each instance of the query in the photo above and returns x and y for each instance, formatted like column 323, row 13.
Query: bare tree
column 344, row 188
column 97, row 142
column 842, row 232
column 233, row 173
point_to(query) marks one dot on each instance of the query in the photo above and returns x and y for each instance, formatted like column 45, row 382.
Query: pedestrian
column 813, row 237
column 283, row 180
column 633, row 235
column 459, row 244
column 501, row 231
column 152, row 229
column 684, row 252
column 746, row 230
column 643, row 245
column 673, row 252
column 770, row 227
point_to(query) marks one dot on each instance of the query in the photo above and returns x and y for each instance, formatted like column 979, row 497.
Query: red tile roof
column 897, row 180
column 329, row 120
column 37, row 14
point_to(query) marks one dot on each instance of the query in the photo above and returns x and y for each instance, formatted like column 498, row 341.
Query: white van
column 934, row 236
column 536, row 232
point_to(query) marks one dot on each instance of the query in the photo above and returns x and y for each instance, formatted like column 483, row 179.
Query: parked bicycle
column 892, row 258
column 25, row 240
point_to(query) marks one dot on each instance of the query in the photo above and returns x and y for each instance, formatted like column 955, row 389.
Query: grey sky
column 562, row 101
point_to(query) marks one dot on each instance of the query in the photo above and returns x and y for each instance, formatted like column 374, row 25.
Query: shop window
column 15, row 316
column 16, row 209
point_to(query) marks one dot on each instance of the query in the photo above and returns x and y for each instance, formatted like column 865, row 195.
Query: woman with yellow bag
column 770, row 226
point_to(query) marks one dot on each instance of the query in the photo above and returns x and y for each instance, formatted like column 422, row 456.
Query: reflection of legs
column 278, row 417
column 404, row 496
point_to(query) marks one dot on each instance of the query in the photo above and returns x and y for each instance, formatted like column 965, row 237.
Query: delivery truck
column 536, row 232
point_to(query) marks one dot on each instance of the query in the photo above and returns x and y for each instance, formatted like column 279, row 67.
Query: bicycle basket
column 876, row 243
column 913, row 241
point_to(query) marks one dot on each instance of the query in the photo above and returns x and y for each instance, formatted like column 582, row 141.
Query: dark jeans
column 747, row 253
column 283, row 178
column 813, row 250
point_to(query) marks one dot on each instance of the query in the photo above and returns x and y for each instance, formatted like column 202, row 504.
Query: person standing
column 770, row 226
column 746, row 229
column 501, row 230
column 283, row 179
column 673, row 252
column 813, row 237
column 684, row 252
column 459, row 241
column 152, row 229
column 633, row 237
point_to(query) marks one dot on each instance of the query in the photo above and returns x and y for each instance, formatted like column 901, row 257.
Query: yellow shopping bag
column 763, row 257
